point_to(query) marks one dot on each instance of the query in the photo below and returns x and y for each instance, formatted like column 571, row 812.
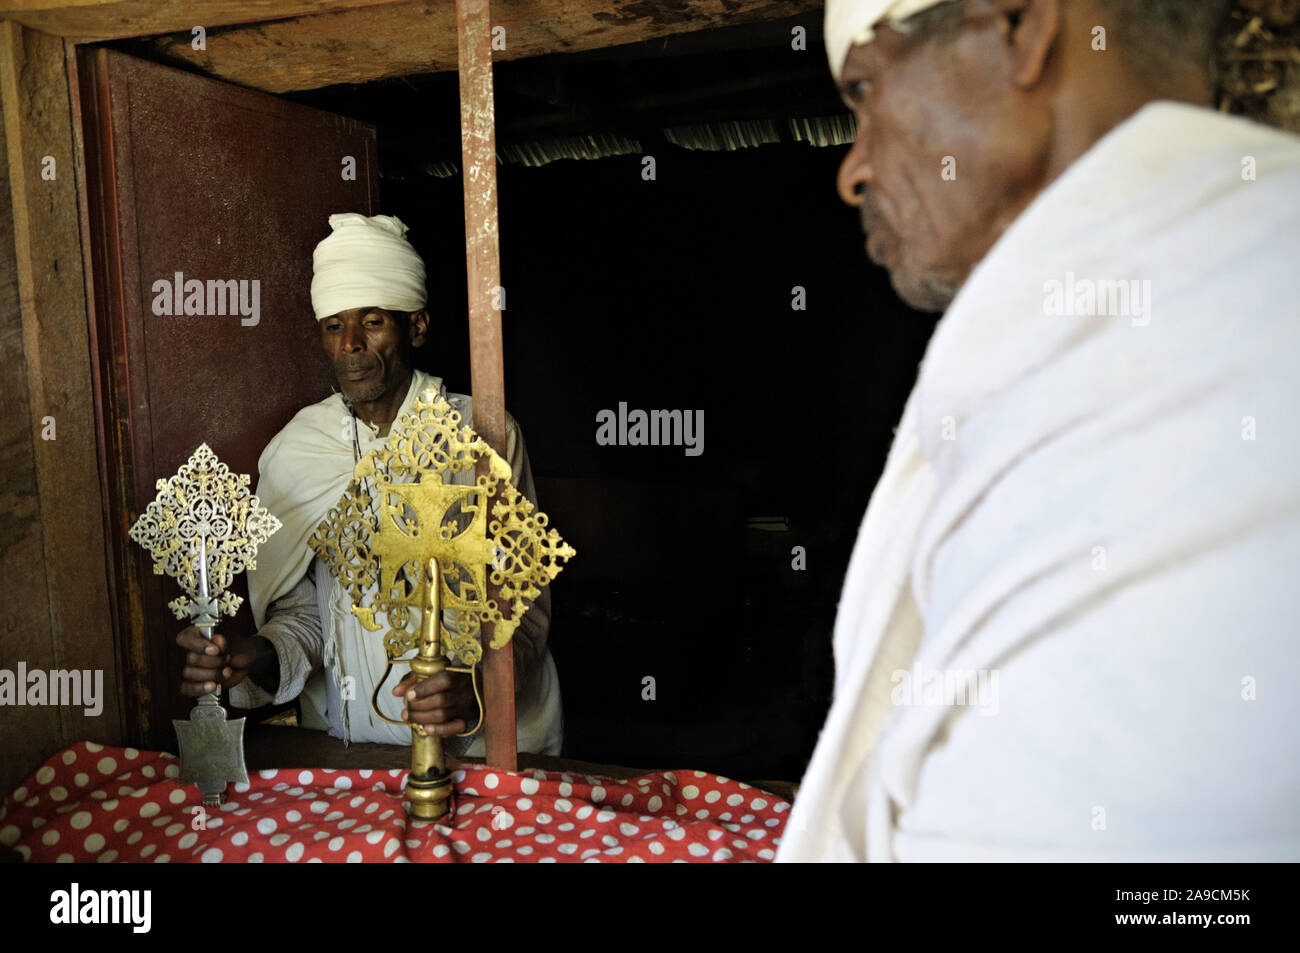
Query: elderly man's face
column 369, row 349
column 948, row 151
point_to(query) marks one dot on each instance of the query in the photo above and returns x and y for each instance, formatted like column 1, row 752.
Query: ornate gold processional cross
column 202, row 529
column 422, row 559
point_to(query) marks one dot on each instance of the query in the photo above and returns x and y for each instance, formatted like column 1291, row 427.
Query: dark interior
column 674, row 293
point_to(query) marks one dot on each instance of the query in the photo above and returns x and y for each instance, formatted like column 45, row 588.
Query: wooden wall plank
column 55, row 345
column 398, row 39
column 116, row 19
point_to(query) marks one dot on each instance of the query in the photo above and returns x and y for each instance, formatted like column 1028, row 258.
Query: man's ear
column 1031, row 29
column 419, row 327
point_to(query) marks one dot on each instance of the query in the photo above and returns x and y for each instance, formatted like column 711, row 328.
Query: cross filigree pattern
column 204, row 500
column 379, row 556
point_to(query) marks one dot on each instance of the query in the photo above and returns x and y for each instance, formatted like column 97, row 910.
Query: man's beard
column 925, row 292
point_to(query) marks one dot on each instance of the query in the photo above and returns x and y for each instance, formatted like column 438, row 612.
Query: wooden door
column 191, row 179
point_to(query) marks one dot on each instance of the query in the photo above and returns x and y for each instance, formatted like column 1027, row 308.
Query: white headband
column 850, row 22
column 366, row 262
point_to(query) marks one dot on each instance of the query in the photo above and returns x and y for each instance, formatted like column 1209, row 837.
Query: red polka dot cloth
column 94, row 803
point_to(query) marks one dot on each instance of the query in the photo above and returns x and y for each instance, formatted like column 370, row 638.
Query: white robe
column 304, row 471
column 1105, row 512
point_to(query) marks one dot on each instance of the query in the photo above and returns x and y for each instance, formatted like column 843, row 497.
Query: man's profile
column 1093, row 500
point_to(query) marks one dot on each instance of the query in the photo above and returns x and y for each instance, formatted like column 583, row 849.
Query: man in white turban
column 1068, row 629
column 368, row 292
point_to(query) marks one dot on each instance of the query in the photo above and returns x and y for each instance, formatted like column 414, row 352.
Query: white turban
column 850, row 22
column 366, row 262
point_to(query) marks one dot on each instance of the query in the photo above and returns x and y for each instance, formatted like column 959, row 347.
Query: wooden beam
column 398, row 39
column 56, row 604
column 120, row 19
column 486, row 356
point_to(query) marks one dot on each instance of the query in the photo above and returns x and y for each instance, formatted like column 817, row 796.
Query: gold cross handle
column 429, row 784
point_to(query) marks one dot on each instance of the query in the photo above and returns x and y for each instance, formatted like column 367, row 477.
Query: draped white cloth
column 1102, row 509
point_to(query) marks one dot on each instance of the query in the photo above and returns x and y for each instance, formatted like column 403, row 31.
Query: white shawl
column 1105, row 512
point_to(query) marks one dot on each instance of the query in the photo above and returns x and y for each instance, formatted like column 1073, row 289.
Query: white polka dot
column 529, row 785
column 627, row 830
column 305, row 777
column 335, row 843
column 255, row 858
column 239, row 838
column 135, row 837
column 149, row 809
column 491, row 781
column 758, row 804
column 171, row 771
column 319, row 807
column 584, row 812
column 293, row 817
column 441, row 850
column 563, row 805
column 278, row 840
column 266, row 826
column 566, row 789
column 94, row 746
column 392, row 846
column 50, row 838
column 81, row 780
column 343, row 783
column 655, row 803
column 294, row 853
column 713, row 797
column 597, row 794
column 121, row 824
column 690, row 792
column 545, row 838
column 697, row 850
column 605, row 816
column 354, row 857
column 107, row 765
column 212, row 855
column 656, row 847
column 68, row 758
column 148, row 771
column 188, row 841
column 524, row 803
column 80, row 821
column 93, row 843
column 177, row 796
column 60, row 793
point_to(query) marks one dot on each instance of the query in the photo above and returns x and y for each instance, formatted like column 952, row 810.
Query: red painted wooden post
column 483, row 267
